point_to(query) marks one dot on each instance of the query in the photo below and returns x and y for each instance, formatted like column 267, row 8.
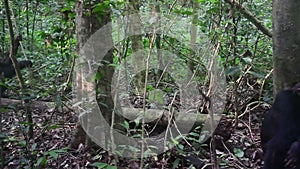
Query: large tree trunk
column 286, row 44
column 87, row 23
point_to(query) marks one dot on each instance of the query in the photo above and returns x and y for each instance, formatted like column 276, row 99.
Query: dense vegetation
column 49, row 41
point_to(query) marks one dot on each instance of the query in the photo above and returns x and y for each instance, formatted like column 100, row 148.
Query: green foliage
column 238, row 152
column 47, row 156
column 176, row 163
column 103, row 165
column 50, row 42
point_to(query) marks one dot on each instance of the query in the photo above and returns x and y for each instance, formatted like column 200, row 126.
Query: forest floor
column 237, row 142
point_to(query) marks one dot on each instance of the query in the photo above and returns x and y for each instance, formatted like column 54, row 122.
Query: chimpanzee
column 7, row 70
column 280, row 132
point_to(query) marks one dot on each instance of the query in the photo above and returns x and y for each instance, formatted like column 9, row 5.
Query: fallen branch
column 129, row 113
column 41, row 106
column 154, row 114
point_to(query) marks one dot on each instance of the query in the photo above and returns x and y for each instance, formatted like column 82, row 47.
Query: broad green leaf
column 238, row 152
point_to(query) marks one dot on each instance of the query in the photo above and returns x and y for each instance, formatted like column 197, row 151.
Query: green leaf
column 180, row 146
column 150, row 88
column 33, row 147
column 63, row 150
column 175, row 141
column 126, row 125
column 53, row 154
column 238, row 152
column 100, row 8
column 103, row 165
column 22, row 143
column 194, row 134
column 52, row 127
column 157, row 96
column 176, row 163
column 41, row 161
column 248, row 60
column 168, row 89
column 100, row 165
column 187, row 13
column 65, row 9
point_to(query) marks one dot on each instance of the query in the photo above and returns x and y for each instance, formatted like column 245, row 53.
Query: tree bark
column 136, row 42
column 286, row 44
column 87, row 23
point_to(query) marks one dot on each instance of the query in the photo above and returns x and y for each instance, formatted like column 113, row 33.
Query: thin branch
column 251, row 17
column 12, row 46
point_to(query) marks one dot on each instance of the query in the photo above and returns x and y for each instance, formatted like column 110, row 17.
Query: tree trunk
column 137, row 43
column 193, row 34
column 87, row 23
column 286, row 44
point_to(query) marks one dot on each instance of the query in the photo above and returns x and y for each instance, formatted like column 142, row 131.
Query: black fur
column 280, row 132
column 7, row 70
